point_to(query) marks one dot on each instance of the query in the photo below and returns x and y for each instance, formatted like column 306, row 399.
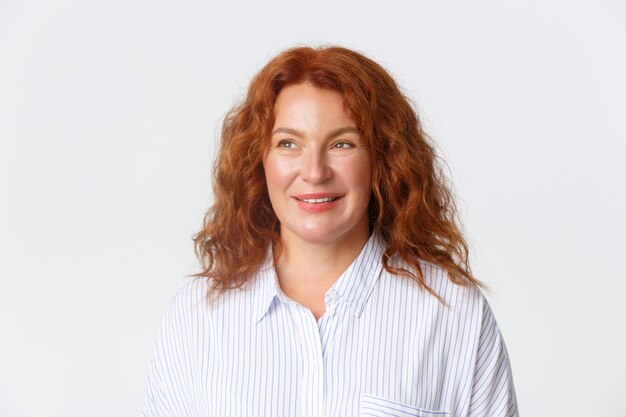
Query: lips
column 318, row 202
column 318, row 198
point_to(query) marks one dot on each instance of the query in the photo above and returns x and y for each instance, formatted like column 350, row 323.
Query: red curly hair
column 411, row 203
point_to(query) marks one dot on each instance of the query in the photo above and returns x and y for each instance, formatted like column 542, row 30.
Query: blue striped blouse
column 384, row 347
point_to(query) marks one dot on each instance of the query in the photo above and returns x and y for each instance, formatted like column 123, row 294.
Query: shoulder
column 187, row 304
column 438, row 279
column 190, row 295
column 463, row 304
column 195, row 301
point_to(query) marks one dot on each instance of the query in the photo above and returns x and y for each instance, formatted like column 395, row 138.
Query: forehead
column 310, row 106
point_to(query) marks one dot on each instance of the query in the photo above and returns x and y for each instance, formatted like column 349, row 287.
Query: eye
column 286, row 144
column 343, row 145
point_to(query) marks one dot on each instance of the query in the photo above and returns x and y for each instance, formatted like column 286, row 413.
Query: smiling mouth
column 318, row 200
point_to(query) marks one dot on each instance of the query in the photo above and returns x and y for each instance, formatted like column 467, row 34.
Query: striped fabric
column 384, row 347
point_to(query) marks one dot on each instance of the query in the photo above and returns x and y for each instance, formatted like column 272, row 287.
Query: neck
column 305, row 266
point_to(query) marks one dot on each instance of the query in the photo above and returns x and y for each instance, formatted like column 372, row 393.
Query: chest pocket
column 375, row 406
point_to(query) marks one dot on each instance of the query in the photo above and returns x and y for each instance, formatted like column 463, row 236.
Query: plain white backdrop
column 109, row 117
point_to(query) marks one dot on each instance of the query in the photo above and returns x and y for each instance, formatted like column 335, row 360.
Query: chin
column 323, row 234
column 317, row 236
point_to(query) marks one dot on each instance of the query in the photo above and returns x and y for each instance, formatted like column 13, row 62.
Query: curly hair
column 411, row 202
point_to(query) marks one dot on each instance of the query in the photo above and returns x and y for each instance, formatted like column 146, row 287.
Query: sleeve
column 168, row 391
column 492, row 392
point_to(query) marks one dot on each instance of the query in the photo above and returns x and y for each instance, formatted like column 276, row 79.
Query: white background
column 109, row 114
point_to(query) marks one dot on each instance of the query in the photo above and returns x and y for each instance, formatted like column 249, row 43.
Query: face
column 317, row 170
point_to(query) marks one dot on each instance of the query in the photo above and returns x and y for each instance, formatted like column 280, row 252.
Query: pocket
column 375, row 406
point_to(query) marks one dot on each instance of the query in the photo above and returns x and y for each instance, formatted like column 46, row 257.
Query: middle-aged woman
column 335, row 279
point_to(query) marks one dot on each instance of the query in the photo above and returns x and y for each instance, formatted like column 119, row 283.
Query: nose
column 314, row 167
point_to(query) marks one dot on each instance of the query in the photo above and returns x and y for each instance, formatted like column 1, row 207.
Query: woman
column 335, row 280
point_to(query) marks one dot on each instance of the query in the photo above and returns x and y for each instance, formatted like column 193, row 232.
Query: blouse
column 384, row 347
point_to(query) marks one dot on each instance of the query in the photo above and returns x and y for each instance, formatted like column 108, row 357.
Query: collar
column 353, row 288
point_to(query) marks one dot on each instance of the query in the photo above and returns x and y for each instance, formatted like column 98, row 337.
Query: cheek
column 357, row 173
column 278, row 173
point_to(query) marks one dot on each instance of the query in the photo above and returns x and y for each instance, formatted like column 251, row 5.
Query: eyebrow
column 333, row 134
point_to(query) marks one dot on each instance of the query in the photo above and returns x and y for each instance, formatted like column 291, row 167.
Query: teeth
column 319, row 200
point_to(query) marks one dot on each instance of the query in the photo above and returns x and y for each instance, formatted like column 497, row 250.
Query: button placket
column 331, row 302
column 312, row 376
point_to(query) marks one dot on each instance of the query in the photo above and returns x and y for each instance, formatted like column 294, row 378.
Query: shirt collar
column 353, row 288
column 265, row 287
